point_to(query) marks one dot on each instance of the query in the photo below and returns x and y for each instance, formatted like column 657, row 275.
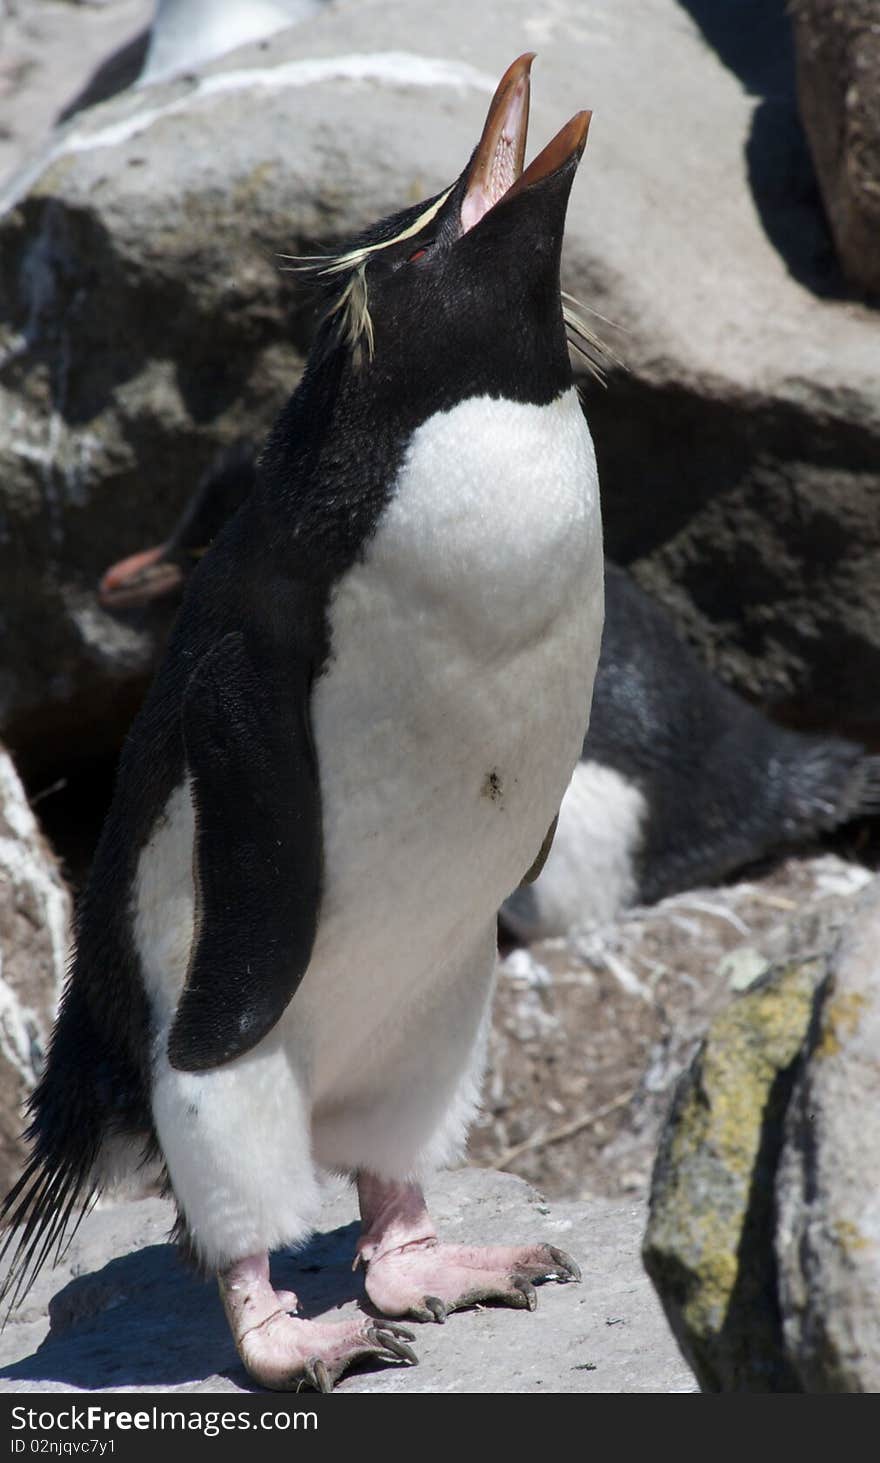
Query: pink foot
column 281, row 1351
column 409, row 1273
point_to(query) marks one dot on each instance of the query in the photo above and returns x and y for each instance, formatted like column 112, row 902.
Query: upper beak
column 566, row 146
column 496, row 169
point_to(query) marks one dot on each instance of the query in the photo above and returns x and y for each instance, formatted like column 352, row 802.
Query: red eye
column 419, row 254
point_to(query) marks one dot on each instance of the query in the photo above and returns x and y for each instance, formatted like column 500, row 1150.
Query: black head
column 464, row 287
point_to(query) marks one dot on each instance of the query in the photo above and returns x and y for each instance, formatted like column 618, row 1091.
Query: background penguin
column 681, row 782
column 378, row 684
column 183, row 36
column 161, row 572
column 186, row 34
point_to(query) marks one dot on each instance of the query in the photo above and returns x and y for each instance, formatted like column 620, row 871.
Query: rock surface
column 34, row 942
column 838, row 63
column 591, row 1034
column 125, row 1315
column 48, row 51
column 709, row 1242
column 764, row 1231
column 827, row 1194
column 146, row 321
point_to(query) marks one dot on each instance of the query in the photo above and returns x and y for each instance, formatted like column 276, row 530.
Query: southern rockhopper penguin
column 377, row 686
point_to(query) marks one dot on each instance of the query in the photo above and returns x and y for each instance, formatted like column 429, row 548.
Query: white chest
column 463, row 650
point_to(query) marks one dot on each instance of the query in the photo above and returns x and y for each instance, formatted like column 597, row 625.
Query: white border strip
column 394, row 68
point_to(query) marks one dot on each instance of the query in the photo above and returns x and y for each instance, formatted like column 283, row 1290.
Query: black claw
column 317, row 1373
column 436, row 1308
column 569, row 1267
column 527, row 1291
column 397, row 1330
column 393, row 1343
column 421, row 1313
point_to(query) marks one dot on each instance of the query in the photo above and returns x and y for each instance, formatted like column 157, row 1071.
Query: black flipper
column 255, row 784
column 543, row 854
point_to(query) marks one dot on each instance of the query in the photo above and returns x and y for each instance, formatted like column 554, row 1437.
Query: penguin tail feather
column 858, row 794
column 38, row 1211
column 833, row 781
column 865, row 788
column 85, row 1096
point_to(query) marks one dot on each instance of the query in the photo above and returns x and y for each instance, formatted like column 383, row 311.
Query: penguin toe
column 394, row 1339
column 315, row 1372
column 565, row 1267
column 430, row 1281
column 527, row 1291
column 289, row 1353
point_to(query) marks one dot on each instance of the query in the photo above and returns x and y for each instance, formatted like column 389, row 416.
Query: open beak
column 139, row 579
column 496, row 170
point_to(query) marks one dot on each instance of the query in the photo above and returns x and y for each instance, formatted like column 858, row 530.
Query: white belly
column 452, row 711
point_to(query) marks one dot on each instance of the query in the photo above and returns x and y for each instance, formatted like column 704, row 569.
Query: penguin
column 184, row 36
column 187, row 34
column 161, row 573
column 680, row 783
column 377, row 685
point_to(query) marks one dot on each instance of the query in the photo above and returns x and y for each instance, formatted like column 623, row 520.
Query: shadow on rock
column 145, row 1321
column 116, row 73
column 753, row 38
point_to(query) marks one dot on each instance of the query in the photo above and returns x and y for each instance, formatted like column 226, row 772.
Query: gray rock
column 764, row 1233
column 838, row 56
column 709, row 1242
column 34, row 942
column 827, row 1191
column 48, row 49
column 591, row 1034
column 124, row 1314
column 146, row 322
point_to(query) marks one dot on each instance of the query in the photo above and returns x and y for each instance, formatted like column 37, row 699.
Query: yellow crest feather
column 352, row 305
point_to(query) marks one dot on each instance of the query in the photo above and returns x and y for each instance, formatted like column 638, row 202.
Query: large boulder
column 764, row 1233
column 828, row 1183
column 145, row 321
column 34, row 944
column 591, row 1033
column 49, row 51
column 838, row 65
column 709, row 1242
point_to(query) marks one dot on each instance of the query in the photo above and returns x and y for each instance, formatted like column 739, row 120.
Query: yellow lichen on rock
column 840, row 1018
column 713, row 1185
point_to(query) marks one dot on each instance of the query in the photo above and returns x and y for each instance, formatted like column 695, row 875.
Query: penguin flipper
column 543, row 854
column 257, row 858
